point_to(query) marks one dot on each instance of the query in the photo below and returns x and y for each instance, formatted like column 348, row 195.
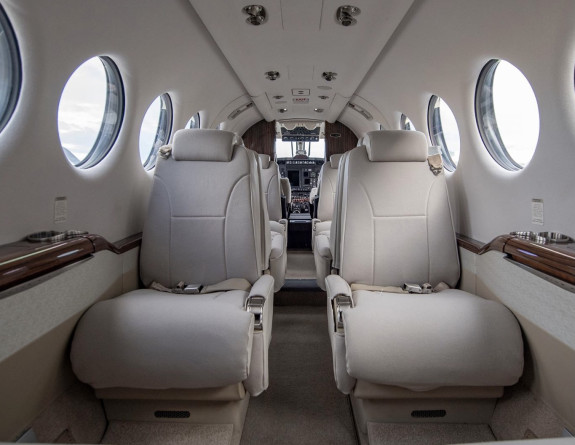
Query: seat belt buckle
column 412, row 288
column 188, row 289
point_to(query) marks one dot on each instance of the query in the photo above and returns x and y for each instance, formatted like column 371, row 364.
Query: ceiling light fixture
column 345, row 15
column 272, row 75
column 256, row 14
column 278, row 97
column 329, row 75
column 323, row 97
column 318, row 110
column 282, row 110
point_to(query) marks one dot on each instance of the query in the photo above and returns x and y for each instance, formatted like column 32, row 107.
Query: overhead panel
column 301, row 40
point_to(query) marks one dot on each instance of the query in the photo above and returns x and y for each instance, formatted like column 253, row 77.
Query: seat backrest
column 205, row 219
column 271, row 185
column 396, row 224
column 286, row 189
column 327, row 186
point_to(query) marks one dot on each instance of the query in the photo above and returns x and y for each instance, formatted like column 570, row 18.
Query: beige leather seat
column 206, row 225
column 445, row 354
column 271, row 186
column 322, row 224
column 286, row 196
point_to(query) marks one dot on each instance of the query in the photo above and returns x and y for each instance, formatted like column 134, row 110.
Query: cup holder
column 543, row 237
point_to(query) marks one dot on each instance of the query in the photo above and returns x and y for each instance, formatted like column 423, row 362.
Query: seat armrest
column 339, row 294
column 336, row 285
column 279, row 226
column 314, row 222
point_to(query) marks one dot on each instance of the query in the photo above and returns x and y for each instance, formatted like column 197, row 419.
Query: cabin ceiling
column 301, row 40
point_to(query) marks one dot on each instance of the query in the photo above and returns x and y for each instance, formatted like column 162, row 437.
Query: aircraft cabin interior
column 290, row 222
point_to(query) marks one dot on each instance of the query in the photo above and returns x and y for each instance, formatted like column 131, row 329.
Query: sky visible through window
column 450, row 130
column 516, row 112
column 81, row 109
column 284, row 149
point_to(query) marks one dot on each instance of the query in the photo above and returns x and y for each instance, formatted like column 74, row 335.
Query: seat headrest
column 203, row 145
column 265, row 161
column 395, row 146
column 334, row 160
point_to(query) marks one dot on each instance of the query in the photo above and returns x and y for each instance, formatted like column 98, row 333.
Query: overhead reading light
column 329, row 75
column 323, row 97
column 361, row 111
column 256, row 14
column 240, row 110
column 318, row 110
column 282, row 110
column 278, row 97
column 272, row 75
column 345, row 15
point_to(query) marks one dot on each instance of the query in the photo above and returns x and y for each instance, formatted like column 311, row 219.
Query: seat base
column 476, row 411
column 202, row 412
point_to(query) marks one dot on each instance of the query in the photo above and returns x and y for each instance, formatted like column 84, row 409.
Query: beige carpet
column 166, row 433
column 427, row 433
column 300, row 265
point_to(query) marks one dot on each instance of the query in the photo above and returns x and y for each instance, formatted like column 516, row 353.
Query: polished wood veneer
column 23, row 260
column 556, row 260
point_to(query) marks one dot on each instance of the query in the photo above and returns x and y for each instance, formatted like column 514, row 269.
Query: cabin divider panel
column 261, row 138
column 338, row 139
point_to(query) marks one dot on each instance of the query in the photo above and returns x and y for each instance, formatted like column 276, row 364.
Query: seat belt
column 407, row 288
column 435, row 164
column 196, row 289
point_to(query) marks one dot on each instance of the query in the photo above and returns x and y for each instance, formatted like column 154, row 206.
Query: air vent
column 428, row 413
column 272, row 75
column 335, row 135
column 329, row 75
column 256, row 14
column 172, row 414
column 345, row 15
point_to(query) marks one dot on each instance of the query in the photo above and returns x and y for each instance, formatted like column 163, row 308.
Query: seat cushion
column 153, row 340
column 421, row 342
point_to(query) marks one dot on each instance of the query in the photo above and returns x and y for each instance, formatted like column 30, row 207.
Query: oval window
column 444, row 132
column 155, row 130
column 10, row 70
column 194, row 122
column 91, row 111
column 507, row 114
column 406, row 123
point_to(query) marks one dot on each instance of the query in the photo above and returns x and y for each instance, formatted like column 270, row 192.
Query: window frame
column 167, row 121
column 15, row 69
column 115, row 103
column 403, row 122
column 486, row 119
column 434, row 121
column 199, row 121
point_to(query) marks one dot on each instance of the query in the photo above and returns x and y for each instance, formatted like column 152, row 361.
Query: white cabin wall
column 165, row 49
column 440, row 49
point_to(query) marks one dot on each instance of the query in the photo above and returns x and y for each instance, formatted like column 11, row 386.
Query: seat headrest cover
column 334, row 160
column 396, row 146
column 203, row 145
column 265, row 161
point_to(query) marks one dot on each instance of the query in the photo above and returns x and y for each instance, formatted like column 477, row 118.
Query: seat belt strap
column 407, row 288
column 194, row 289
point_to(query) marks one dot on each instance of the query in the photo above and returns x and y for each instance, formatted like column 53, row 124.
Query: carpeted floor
column 302, row 404
column 427, row 433
column 300, row 265
column 154, row 433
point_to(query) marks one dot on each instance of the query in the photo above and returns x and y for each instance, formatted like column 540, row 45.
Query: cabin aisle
column 302, row 404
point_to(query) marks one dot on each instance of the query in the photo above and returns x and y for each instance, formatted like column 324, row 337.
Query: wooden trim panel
column 23, row 260
column 556, row 260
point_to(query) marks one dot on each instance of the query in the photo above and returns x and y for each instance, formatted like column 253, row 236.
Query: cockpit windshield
column 300, row 150
column 300, row 140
